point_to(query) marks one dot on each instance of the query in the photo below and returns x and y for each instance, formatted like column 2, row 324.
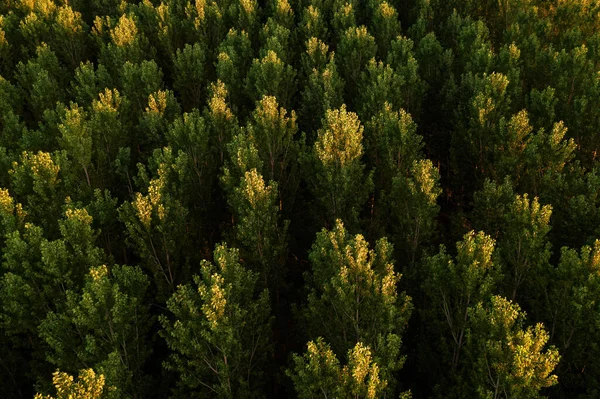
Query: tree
column 258, row 229
column 222, row 122
column 318, row 373
column 324, row 89
column 41, row 81
column 219, row 336
column 139, row 81
column 455, row 285
column 338, row 179
column 392, row 144
column 38, row 272
column 385, row 26
column 105, row 126
column 104, row 327
column 37, row 183
column 277, row 38
column 233, row 62
column 524, row 246
column 274, row 134
column 154, row 223
column 353, row 298
column 189, row 78
column 313, row 24
column 271, row 76
column 120, row 42
column 70, row 36
column 89, row 386
column 356, row 48
column 196, row 164
column 571, row 315
column 413, row 207
column 402, row 59
column 508, row 359
column 77, row 138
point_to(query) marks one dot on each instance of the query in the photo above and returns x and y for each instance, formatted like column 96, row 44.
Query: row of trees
column 312, row 198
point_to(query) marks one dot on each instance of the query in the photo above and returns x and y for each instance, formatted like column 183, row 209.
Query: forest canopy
column 299, row 198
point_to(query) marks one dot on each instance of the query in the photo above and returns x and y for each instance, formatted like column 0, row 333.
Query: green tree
column 413, row 207
column 272, row 77
column 154, row 223
column 219, row 336
column 324, row 89
column 354, row 299
column 455, row 285
column 259, row 231
column 104, row 327
column 77, row 138
column 508, row 359
column 41, row 80
column 189, row 75
column 318, row 373
column 524, row 246
column 139, row 81
column 277, row 38
column 189, row 138
column 37, row 182
column 89, row 386
column 338, row 179
column 106, row 126
column 120, row 42
column 572, row 314
column 355, row 49
column 70, row 36
column 233, row 62
column 312, row 24
column 385, row 26
column 402, row 58
column 273, row 132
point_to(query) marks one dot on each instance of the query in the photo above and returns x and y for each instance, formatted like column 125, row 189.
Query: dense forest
column 299, row 198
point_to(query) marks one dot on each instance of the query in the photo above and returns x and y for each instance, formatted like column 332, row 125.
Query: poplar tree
column 455, row 285
column 338, row 178
column 189, row 75
column 318, row 373
column 89, row 386
column 220, row 329
column 354, row 298
column 104, row 327
column 509, row 358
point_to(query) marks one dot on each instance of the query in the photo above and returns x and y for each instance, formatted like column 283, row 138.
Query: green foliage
column 509, row 359
column 77, row 138
column 354, row 298
column 153, row 224
column 274, row 137
column 319, row 374
column 338, row 179
column 105, row 327
column 89, row 386
column 413, row 207
column 38, row 272
column 524, row 246
column 220, row 332
column 455, row 285
column 144, row 132
column 189, row 79
column 270, row 76
column 572, row 316
column 233, row 62
column 355, row 50
column 41, row 80
column 258, row 229
column 324, row 89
